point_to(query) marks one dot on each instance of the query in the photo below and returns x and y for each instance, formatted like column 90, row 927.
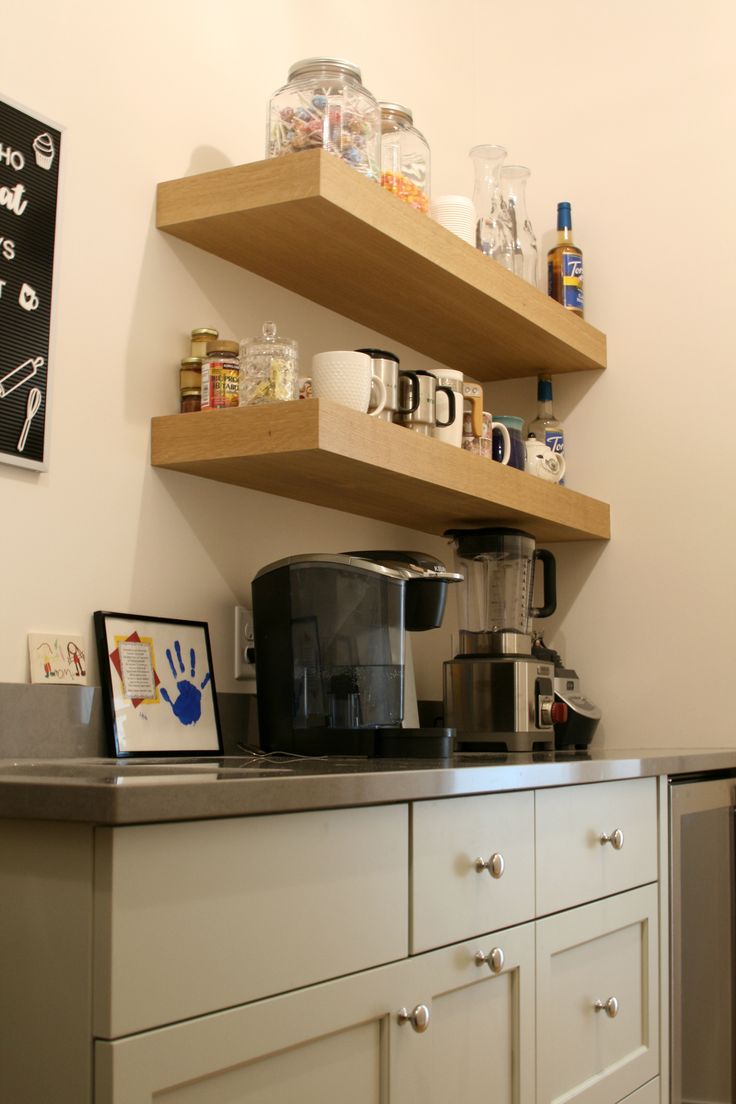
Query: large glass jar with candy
column 324, row 105
column 404, row 157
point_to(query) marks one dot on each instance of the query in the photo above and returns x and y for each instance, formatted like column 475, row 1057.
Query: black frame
column 156, row 722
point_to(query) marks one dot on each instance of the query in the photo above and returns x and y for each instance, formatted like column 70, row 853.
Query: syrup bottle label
column 572, row 281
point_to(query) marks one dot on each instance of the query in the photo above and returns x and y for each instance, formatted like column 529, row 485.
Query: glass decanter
column 493, row 228
column 523, row 240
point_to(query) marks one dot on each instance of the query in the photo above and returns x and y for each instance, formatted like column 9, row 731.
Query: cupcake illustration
column 43, row 147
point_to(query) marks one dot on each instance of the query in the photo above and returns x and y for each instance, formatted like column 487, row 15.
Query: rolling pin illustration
column 16, row 377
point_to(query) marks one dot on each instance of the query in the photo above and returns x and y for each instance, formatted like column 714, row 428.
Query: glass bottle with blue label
column 565, row 265
column 546, row 427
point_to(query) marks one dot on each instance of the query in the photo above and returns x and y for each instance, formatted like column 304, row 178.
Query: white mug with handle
column 346, row 377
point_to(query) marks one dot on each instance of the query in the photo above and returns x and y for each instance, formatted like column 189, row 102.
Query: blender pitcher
column 495, row 601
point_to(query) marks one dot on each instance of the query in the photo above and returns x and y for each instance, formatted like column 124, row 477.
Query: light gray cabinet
column 386, row 954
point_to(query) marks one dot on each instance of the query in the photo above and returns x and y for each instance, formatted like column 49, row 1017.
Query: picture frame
column 158, row 685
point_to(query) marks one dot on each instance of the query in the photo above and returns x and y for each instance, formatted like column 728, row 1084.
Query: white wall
column 626, row 110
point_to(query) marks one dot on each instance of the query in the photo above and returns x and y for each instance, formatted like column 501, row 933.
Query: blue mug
column 515, row 426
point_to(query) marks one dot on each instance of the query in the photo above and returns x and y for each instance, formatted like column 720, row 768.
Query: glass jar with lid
column 404, row 157
column 269, row 368
column 324, row 105
column 220, row 375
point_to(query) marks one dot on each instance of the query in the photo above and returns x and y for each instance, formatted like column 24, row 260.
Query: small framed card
column 158, row 687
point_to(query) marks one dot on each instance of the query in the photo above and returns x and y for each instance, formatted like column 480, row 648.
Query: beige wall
column 626, row 110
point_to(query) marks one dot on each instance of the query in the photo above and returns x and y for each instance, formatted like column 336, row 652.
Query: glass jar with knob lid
column 405, row 158
column 269, row 368
column 324, row 105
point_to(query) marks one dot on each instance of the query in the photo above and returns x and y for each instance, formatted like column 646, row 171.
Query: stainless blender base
column 495, row 704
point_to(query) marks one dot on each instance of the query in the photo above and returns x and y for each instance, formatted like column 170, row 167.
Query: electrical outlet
column 245, row 667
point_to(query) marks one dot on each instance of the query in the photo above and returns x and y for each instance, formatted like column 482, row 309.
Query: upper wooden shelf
column 315, row 226
column 319, row 452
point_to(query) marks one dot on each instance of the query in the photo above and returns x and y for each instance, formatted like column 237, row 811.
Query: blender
column 497, row 694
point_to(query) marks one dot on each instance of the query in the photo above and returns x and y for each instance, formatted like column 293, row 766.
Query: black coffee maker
column 329, row 635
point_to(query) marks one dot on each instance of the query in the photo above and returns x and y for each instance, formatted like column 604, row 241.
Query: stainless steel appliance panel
column 702, row 891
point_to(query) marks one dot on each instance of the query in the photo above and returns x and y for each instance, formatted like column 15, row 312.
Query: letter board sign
column 30, row 149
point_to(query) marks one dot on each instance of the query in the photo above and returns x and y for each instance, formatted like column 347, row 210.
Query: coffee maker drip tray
column 502, row 704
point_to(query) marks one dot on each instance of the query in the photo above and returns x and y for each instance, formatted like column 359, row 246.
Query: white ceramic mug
column 346, row 377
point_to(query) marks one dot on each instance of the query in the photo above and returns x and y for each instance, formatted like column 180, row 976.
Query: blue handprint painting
column 187, row 707
column 160, row 685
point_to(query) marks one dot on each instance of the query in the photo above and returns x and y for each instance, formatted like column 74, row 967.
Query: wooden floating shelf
column 311, row 224
column 316, row 451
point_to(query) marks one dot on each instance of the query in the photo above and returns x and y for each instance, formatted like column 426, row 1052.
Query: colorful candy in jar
column 325, row 106
column 405, row 158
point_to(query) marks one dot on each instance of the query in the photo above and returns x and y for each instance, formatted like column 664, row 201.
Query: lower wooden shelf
column 316, row 451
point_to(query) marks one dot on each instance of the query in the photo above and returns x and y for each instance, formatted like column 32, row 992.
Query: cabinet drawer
column 451, row 898
column 593, row 954
column 195, row 917
column 573, row 865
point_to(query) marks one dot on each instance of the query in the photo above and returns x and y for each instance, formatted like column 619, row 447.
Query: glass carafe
column 523, row 240
column 493, row 229
column 495, row 600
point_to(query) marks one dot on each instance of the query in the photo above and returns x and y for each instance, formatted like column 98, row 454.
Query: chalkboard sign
column 30, row 150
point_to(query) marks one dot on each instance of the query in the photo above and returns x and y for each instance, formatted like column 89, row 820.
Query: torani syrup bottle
column 565, row 265
column 546, row 427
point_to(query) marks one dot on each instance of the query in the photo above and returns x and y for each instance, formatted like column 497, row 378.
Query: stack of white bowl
column 457, row 214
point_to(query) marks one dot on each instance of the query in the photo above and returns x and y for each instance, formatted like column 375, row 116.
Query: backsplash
column 60, row 722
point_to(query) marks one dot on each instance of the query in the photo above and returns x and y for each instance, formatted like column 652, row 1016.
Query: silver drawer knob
column 616, row 839
column 494, row 960
column 419, row 1018
column 610, row 1007
column 495, row 865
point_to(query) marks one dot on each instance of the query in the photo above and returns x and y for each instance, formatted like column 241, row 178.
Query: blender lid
column 474, row 541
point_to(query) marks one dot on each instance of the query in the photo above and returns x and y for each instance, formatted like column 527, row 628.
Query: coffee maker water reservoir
column 329, row 635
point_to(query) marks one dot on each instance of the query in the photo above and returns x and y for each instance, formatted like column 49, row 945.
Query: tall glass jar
column 324, row 105
column 493, row 228
column 404, row 157
column 523, row 239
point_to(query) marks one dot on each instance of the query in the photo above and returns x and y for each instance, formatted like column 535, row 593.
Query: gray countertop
column 110, row 791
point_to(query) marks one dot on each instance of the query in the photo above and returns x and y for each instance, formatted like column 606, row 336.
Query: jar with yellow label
column 221, row 375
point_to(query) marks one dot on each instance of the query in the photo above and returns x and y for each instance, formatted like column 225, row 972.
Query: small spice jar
column 404, row 157
column 324, row 105
column 220, row 375
column 270, row 368
column 190, row 381
column 200, row 339
column 191, row 400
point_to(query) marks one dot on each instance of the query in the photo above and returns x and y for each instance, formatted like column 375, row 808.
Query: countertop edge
column 127, row 800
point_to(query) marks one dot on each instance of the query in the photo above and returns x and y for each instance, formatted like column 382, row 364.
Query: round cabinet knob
column 494, row 959
column 616, row 839
column 419, row 1018
column 610, row 1007
column 495, row 865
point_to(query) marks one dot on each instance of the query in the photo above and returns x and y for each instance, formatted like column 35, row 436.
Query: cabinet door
column 323, row 1045
column 453, row 896
column 346, row 1041
column 478, row 1047
column 573, row 863
column 589, row 956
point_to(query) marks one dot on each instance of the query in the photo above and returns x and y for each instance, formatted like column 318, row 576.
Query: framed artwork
column 158, row 687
